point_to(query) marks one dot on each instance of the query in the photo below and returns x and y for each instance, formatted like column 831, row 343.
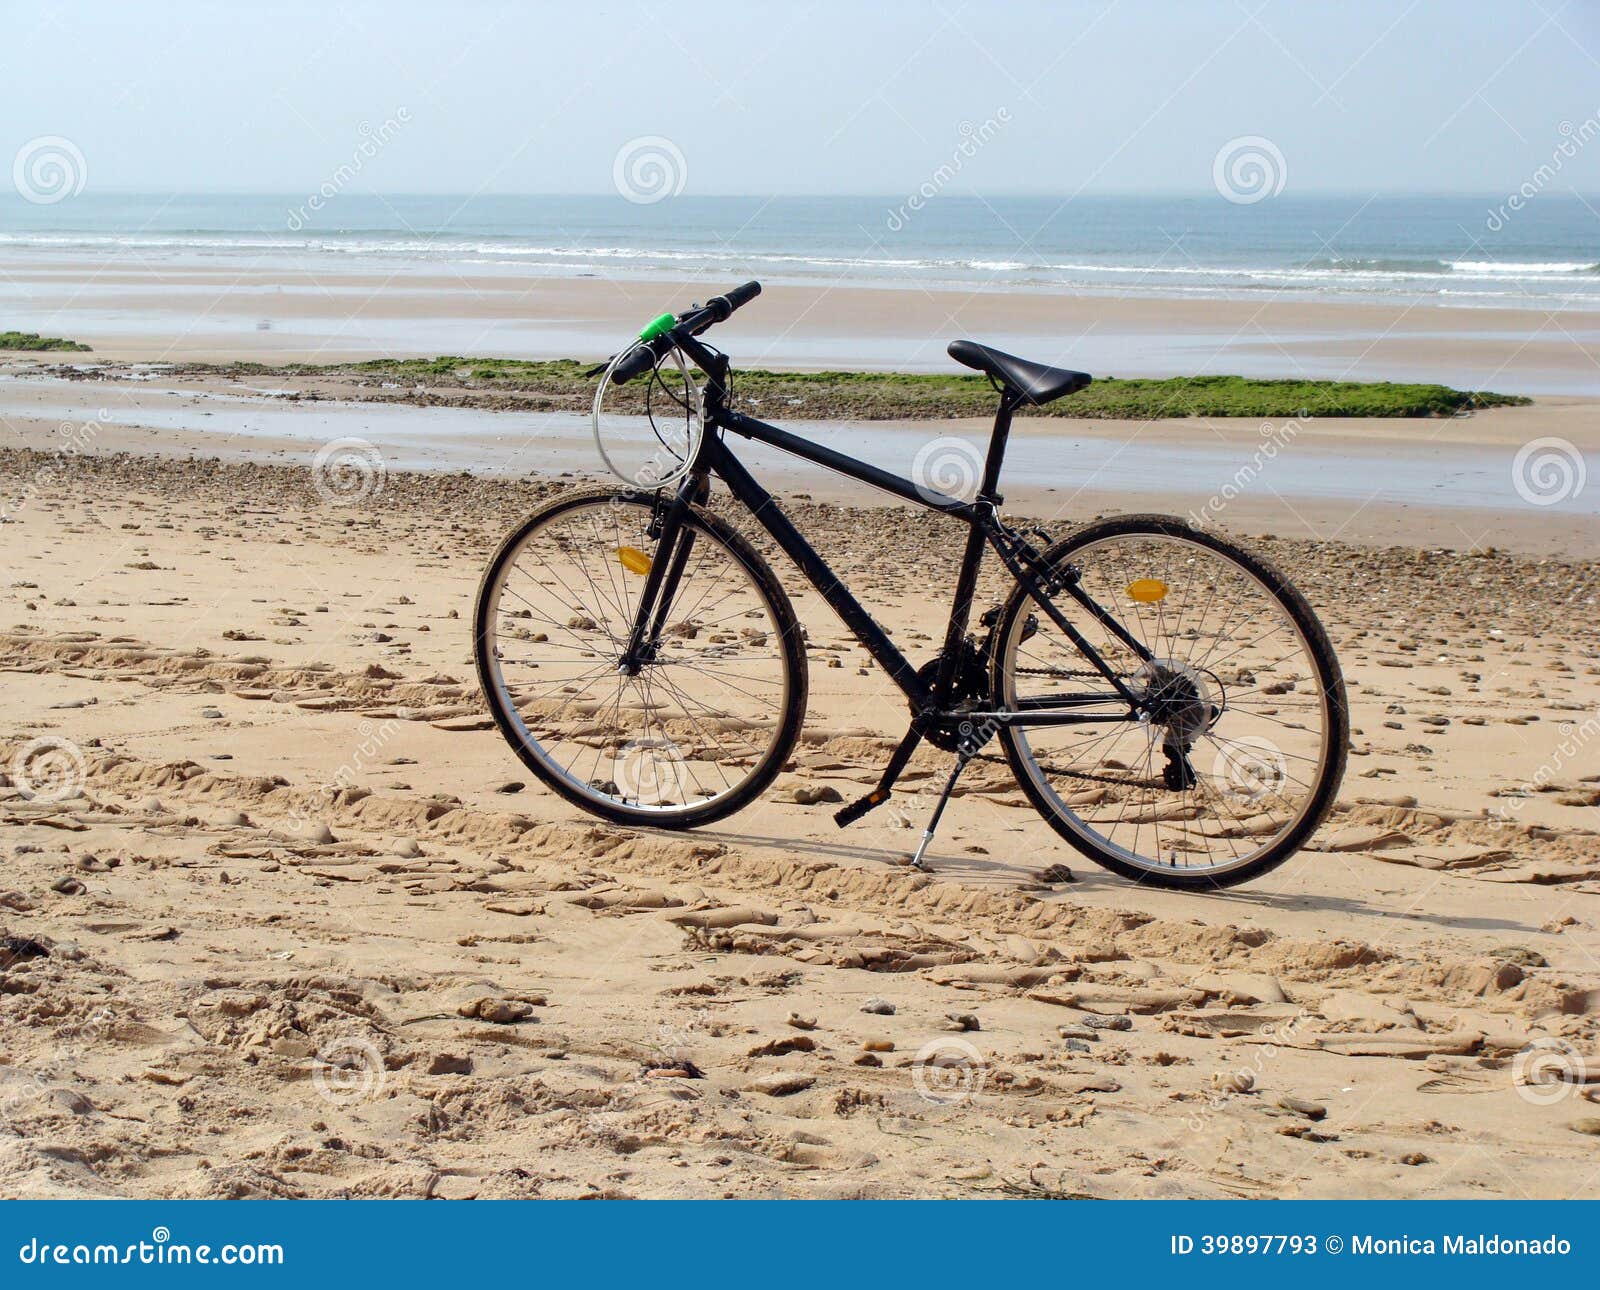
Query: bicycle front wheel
column 1240, row 742
column 701, row 723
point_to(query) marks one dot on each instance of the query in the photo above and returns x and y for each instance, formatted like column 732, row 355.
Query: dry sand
column 304, row 931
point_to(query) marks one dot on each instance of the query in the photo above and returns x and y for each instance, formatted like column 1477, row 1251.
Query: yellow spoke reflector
column 1148, row 590
column 633, row 559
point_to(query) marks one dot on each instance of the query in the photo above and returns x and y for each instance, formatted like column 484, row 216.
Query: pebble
column 68, row 886
column 878, row 1007
column 1300, row 1106
column 812, row 794
column 501, row 1012
column 449, row 1064
column 320, row 834
column 1096, row 1022
column 1076, row 1032
column 407, row 848
column 782, row 1083
column 961, row 1021
column 1589, row 1125
column 802, row 1023
column 879, row 1046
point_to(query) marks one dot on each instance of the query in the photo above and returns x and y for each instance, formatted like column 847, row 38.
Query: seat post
column 972, row 556
column 997, row 444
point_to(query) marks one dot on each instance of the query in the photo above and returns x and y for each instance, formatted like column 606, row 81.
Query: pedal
column 847, row 815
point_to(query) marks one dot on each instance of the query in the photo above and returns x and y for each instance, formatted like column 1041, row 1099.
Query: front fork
column 674, row 541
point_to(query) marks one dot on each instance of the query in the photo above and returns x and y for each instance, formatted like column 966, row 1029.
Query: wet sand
column 278, row 312
column 1449, row 482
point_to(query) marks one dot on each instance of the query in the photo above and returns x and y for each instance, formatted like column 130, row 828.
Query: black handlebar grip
column 735, row 298
column 640, row 359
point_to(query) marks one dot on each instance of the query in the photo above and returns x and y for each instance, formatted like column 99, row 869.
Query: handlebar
column 644, row 355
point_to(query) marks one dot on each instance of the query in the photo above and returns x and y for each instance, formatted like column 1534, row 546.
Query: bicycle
column 1166, row 699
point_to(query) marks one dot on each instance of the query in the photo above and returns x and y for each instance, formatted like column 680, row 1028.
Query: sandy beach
column 292, row 922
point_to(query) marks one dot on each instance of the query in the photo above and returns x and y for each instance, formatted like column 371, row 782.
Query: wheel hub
column 1180, row 699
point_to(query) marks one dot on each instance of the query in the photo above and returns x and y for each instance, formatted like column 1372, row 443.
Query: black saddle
column 1035, row 382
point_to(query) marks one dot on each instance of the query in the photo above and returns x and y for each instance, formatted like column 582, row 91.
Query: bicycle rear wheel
column 709, row 716
column 1244, row 743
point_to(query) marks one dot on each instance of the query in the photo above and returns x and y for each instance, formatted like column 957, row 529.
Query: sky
column 806, row 98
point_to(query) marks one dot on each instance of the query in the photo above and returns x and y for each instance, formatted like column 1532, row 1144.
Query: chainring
column 952, row 731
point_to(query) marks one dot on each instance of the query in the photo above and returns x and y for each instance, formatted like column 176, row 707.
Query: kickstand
column 917, row 861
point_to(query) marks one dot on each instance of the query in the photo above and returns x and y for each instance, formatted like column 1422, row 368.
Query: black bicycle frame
column 984, row 528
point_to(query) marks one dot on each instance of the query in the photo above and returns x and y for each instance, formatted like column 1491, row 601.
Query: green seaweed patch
column 838, row 395
column 30, row 342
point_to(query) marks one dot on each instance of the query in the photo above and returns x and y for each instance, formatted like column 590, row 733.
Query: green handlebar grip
column 657, row 326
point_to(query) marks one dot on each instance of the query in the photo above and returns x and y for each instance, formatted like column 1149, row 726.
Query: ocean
column 1458, row 251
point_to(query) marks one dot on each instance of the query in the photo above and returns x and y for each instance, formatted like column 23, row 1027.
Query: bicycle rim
column 697, row 723
column 1237, row 761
